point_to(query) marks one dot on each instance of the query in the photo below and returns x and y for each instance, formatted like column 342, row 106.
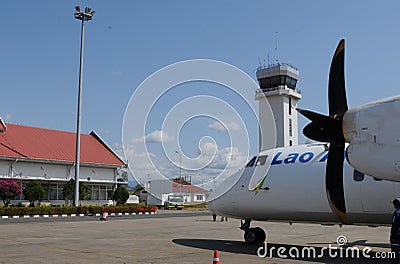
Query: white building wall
column 54, row 176
column 95, row 174
column 38, row 170
column 4, row 168
column 47, row 171
column 277, row 136
column 268, row 132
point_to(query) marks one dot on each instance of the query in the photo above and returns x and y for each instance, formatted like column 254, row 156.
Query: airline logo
column 295, row 158
column 290, row 158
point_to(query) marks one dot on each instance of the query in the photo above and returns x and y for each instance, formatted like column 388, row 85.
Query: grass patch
column 200, row 206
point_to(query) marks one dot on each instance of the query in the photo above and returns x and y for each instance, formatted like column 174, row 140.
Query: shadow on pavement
column 290, row 251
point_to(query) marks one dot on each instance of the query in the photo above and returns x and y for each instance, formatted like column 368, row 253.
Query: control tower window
column 290, row 82
column 274, row 81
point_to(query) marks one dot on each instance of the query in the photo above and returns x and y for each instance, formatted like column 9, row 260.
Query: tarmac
column 181, row 237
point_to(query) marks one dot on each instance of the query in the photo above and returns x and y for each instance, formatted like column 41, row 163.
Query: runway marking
column 126, row 250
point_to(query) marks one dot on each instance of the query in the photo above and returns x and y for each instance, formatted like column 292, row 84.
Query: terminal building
column 157, row 192
column 48, row 156
column 277, row 84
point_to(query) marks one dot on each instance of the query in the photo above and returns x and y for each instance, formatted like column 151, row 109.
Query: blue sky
column 127, row 41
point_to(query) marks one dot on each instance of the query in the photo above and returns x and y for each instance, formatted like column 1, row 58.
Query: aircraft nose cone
column 210, row 206
column 216, row 201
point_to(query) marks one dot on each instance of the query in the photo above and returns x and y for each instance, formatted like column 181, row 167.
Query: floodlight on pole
column 83, row 16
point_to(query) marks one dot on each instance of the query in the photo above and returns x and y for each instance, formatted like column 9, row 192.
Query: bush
column 9, row 188
column 87, row 210
column 34, row 192
column 120, row 195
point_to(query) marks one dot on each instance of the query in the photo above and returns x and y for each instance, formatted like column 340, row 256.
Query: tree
column 9, row 188
column 34, row 192
column 69, row 191
column 124, row 175
column 85, row 192
column 181, row 180
column 120, row 195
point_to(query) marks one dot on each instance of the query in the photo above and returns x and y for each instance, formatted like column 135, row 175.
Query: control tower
column 278, row 85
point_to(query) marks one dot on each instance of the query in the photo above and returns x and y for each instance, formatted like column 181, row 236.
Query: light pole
column 180, row 170
column 83, row 16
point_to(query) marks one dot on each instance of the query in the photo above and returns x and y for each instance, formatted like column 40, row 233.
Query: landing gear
column 252, row 235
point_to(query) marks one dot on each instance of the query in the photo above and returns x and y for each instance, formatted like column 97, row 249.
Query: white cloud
column 217, row 126
column 208, row 148
column 214, row 163
column 158, row 136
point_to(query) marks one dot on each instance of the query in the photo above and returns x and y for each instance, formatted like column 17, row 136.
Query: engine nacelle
column 373, row 131
column 379, row 161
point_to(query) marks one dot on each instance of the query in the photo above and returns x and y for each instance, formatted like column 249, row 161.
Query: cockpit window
column 251, row 162
column 261, row 160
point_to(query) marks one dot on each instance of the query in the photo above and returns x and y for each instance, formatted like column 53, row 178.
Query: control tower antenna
column 276, row 47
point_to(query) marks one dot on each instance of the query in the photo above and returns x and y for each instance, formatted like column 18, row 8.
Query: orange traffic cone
column 216, row 257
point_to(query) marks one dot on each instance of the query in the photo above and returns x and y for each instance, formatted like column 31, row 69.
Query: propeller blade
column 334, row 180
column 329, row 129
column 336, row 90
column 313, row 116
column 322, row 128
column 316, row 131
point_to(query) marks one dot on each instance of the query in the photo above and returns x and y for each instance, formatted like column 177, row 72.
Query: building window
column 95, row 192
column 60, row 195
column 103, row 192
column 199, row 197
column 290, row 106
column 109, row 193
column 290, row 143
column 53, row 192
column 290, row 128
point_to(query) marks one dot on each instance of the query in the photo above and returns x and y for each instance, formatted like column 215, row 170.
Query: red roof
column 176, row 187
column 34, row 143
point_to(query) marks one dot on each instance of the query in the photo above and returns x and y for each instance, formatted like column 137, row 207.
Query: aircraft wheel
column 254, row 235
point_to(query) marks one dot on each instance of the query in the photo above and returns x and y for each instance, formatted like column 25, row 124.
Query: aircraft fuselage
column 289, row 185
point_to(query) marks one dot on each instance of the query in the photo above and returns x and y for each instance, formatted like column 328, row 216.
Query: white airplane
column 302, row 184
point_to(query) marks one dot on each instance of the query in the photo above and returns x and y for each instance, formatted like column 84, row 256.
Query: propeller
column 325, row 128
